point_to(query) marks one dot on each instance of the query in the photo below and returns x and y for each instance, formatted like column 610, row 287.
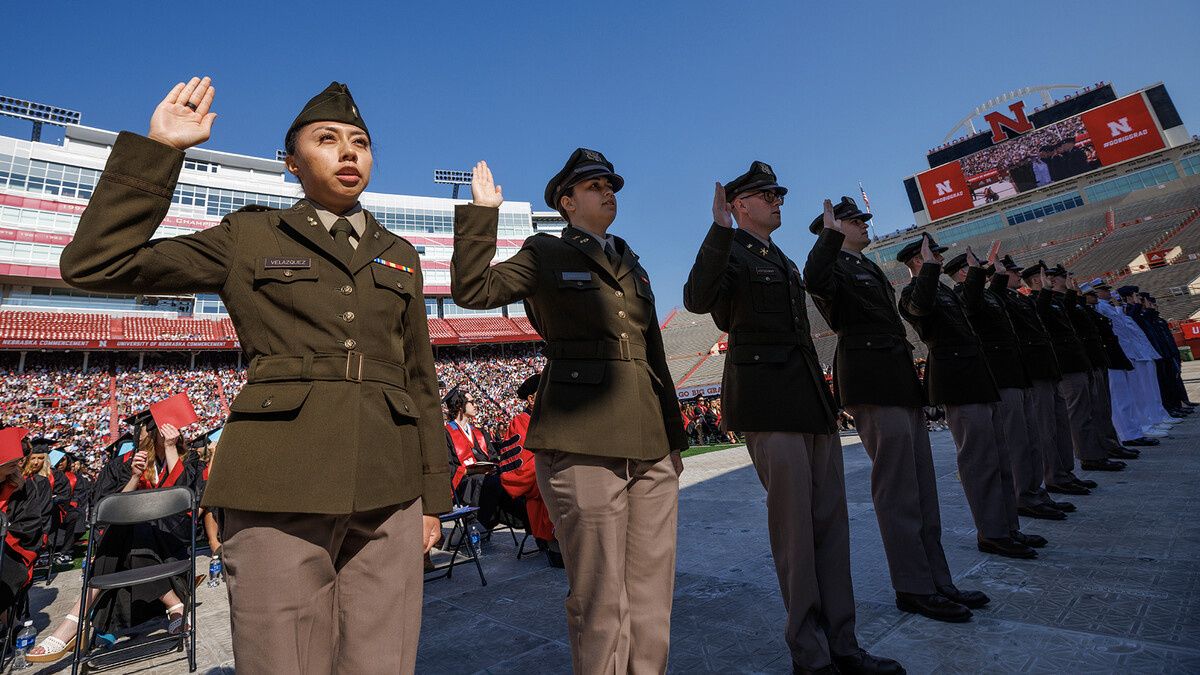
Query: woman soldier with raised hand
column 329, row 307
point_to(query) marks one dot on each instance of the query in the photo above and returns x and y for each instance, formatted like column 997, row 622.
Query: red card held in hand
column 176, row 411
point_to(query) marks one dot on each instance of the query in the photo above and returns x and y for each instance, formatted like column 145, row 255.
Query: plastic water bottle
column 23, row 645
column 214, row 572
column 475, row 540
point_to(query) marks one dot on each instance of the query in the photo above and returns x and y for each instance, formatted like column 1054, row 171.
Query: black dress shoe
column 1006, row 547
column 1030, row 540
column 1042, row 511
column 933, row 606
column 968, row 599
column 1068, row 489
column 865, row 664
column 1140, row 443
column 1101, row 465
column 1084, row 483
column 1065, row 507
column 1122, row 454
column 555, row 559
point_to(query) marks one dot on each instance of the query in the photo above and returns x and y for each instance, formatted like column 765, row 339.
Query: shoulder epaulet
column 254, row 208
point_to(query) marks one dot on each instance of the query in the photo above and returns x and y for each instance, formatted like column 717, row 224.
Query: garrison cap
column 582, row 164
column 529, row 387
column 912, row 248
column 1126, row 291
column 847, row 209
column 1010, row 264
column 954, row 264
column 332, row 105
column 760, row 177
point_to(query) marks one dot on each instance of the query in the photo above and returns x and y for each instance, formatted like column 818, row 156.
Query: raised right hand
column 926, row 250
column 181, row 126
column 722, row 209
column 827, row 218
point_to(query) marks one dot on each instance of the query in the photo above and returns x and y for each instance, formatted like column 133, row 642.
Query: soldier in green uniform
column 328, row 306
column 775, row 392
column 606, row 428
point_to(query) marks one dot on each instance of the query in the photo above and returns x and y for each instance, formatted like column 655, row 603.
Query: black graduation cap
column 118, row 447
column 40, row 445
column 206, row 438
column 140, row 420
column 581, row 165
column 529, row 387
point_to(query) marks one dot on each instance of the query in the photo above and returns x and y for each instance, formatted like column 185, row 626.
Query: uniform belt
column 753, row 338
column 352, row 367
column 618, row 350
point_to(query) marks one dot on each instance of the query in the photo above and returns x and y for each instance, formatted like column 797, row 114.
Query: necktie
column 341, row 238
column 613, row 259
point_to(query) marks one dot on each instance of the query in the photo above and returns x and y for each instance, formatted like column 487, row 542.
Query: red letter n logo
column 1002, row 124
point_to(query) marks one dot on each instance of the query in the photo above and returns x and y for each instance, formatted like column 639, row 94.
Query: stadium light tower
column 37, row 113
column 455, row 178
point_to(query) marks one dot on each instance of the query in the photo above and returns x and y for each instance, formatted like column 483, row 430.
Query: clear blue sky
column 677, row 94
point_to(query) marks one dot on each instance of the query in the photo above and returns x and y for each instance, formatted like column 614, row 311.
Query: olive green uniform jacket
column 340, row 412
column 873, row 364
column 606, row 390
column 985, row 309
column 773, row 379
column 957, row 370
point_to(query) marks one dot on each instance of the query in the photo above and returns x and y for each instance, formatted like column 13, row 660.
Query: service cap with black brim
column 1126, row 291
column 332, row 105
column 1010, row 265
column 529, row 387
column 1033, row 270
column 847, row 209
column 581, row 165
column 760, row 177
column 954, row 264
column 912, row 248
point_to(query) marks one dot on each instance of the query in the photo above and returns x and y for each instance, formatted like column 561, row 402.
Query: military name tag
column 764, row 270
column 276, row 263
column 576, row 276
column 863, row 277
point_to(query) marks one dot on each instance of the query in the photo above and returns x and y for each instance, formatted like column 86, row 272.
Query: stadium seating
column 438, row 328
column 681, row 366
column 522, row 322
column 54, row 326
column 709, row 372
column 1117, row 250
column 483, row 326
column 146, row 328
column 692, row 340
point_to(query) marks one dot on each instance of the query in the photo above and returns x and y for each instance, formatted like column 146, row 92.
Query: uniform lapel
column 628, row 260
column 373, row 243
column 591, row 247
column 302, row 218
column 757, row 249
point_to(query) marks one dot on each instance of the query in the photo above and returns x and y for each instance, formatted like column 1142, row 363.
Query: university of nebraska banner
column 1122, row 130
column 945, row 190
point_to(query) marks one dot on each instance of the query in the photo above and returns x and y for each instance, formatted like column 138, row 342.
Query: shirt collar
column 356, row 216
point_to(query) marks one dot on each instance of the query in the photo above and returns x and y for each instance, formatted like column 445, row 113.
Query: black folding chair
column 462, row 517
column 130, row 508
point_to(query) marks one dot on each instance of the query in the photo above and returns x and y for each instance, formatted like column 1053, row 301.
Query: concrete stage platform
column 1116, row 590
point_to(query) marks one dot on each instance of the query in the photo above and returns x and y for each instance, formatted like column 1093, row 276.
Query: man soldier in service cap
column 1018, row 444
column 876, row 381
column 958, row 377
column 330, row 310
column 773, row 390
column 606, row 430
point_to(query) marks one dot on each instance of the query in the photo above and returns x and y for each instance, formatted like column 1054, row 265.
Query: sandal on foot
column 175, row 627
column 53, row 648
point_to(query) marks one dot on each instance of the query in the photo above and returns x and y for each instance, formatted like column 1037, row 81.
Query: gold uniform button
column 574, row 374
column 620, row 294
column 288, row 273
column 756, row 357
column 624, row 336
column 350, row 344
column 399, row 285
column 347, row 289
column 267, row 402
column 578, row 283
column 348, row 317
column 621, row 314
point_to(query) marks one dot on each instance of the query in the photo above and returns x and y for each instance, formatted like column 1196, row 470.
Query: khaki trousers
column 316, row 594
column 1077, row 391
column 1054, row 430
column 810, row 540
column 904, row 491
column 1027, row 466
column 983, row 468
column 615, row 520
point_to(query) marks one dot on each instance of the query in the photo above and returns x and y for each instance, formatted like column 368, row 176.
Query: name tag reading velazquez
column 290, row 263
column 576, row 276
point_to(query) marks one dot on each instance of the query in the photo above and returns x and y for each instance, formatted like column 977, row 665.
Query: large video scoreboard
column 1021, row 152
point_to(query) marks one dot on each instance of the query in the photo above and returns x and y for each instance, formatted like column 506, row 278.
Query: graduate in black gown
column 160, row 460
column 25, row 507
